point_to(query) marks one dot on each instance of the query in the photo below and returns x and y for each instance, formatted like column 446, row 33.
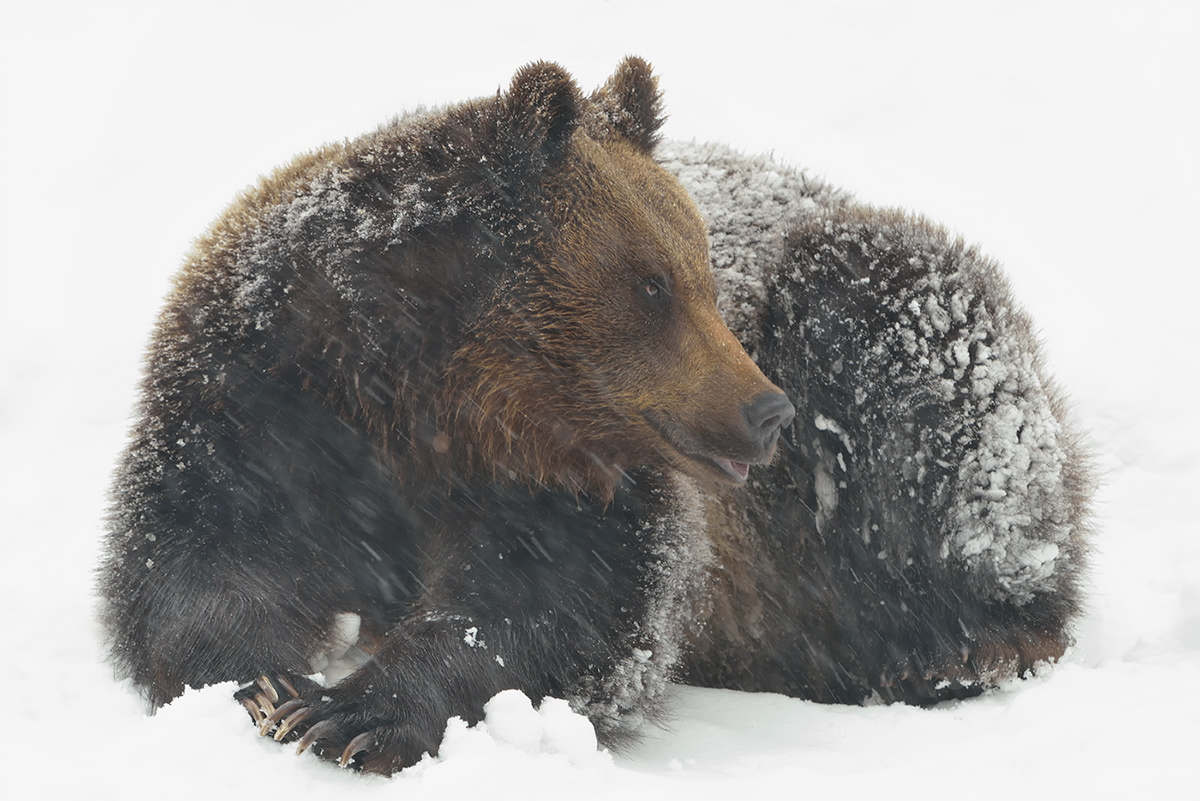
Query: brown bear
column 452, row 409
column 453, row 382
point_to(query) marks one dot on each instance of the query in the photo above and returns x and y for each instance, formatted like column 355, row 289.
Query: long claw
column 255, row 711
column 265, row 703
column 283, row 709
column 287, row 685
column 312, row 734
column 360, row 743
column 297, row 717
column 269, row 689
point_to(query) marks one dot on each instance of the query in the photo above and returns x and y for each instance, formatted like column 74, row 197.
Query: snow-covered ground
column 1061, row 136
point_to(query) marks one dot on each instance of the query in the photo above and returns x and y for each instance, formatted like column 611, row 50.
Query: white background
column 1063, row 137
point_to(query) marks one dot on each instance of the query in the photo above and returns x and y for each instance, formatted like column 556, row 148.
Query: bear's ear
column 632, row 104
column 541, row 112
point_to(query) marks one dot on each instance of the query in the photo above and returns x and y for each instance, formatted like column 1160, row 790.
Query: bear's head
column 602, row 349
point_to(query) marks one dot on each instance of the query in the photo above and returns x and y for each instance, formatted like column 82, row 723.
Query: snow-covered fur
column 447, row 410
column 924, row 533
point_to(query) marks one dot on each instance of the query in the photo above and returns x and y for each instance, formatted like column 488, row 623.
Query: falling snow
column 1060, row 136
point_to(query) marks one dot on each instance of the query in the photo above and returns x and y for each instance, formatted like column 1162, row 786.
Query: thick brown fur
column 456, row 404
column 450, row 377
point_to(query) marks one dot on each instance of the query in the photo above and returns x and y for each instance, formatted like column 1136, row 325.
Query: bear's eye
column 654, row 293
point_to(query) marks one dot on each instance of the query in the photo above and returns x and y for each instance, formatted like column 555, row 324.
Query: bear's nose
column 766, row 415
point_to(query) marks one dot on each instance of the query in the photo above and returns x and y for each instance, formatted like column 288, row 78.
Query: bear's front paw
column 365, row 732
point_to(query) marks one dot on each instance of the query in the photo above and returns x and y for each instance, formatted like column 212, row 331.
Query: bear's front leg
column 544, row 591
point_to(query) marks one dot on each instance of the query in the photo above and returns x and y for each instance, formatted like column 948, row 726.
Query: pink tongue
column 739, row 469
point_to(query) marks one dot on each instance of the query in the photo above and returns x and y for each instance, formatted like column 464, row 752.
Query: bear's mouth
column 719, row 468
column 738, row 471
column 701, row 459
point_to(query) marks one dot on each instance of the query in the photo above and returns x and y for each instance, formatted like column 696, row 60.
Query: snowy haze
column 1062, row 137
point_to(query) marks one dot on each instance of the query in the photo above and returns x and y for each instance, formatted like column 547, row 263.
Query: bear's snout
column 766, row 416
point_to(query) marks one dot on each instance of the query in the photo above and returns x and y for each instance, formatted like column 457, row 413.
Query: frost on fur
column 747, row 203
column 1002, row 462
column 673, row 582
column 927, row 521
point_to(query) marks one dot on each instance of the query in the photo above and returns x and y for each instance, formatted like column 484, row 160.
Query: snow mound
column 516, row 747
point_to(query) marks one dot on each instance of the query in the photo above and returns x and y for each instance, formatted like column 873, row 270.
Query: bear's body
column 922, row 534
column 456, row 396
